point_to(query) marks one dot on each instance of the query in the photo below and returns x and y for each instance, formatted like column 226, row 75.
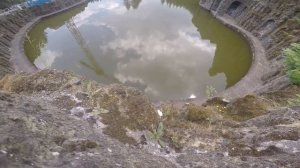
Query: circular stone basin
column 170, row 49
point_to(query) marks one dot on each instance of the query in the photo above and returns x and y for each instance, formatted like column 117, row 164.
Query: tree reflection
column 134, row 4
column 37, row 38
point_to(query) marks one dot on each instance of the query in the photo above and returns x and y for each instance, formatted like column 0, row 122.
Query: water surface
column 168, row 48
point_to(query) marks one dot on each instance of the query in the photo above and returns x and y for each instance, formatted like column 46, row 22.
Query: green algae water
column 170, row 49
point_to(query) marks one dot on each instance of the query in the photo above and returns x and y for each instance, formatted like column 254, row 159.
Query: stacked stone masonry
column 11, row 23
column 9, row 26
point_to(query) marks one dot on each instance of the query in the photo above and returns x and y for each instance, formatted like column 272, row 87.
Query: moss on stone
column 45, row 80
column 248, row 107
column 216, row 101
column 128, row 109
column 198, row 114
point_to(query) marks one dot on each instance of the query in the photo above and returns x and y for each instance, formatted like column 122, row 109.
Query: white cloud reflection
column 113, row 7
column 165, row 63
column 46, row 59
column 148, row 48
column 204, row 45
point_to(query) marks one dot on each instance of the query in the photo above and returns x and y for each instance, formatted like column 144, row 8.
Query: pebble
column 55, row 153
column 160, row 113
column 3, row 151
column 77, row 111
column 192, row 96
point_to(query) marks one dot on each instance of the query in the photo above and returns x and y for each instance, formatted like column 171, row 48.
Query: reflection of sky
column 155, row 48
column 46, row 59
column 105, row 8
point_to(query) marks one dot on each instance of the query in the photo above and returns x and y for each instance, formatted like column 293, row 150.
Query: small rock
column 77, row 82
column 160, row 113
column 192, row 96
column 55, row 153
column 200, row 152
column 77, row 111
column 3, row 151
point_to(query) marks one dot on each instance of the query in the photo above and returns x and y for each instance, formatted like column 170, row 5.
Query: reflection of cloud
column 104, row 25
column 123, row 79
column 194, row 39
column 112, row 6
column 166, row 64
column 156, row 44
column 80, row 18
column 49, row 30
column 155, row 48
column 46, row 59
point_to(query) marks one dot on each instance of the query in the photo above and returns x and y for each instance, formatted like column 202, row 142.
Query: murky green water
column 168, row 48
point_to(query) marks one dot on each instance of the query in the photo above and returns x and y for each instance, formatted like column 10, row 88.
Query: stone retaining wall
column 57, row 5
column 9, row 26
column 13, row 29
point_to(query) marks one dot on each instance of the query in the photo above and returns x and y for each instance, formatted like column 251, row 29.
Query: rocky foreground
column 57, row 119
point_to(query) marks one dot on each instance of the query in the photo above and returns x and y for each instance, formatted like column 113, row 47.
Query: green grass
column 210, row 91
column 294, row 101
column 157, row 134
column 292, row 62
column 297, row 19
